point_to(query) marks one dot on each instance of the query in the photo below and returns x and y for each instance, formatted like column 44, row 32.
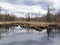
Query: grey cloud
column 30, row 2
column 41, row 3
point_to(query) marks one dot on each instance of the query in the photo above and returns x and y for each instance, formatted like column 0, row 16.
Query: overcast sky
column 23, row 6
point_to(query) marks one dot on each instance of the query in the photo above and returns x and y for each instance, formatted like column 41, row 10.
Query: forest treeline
column 7, row 17
column 53, row 18
column 49, row 17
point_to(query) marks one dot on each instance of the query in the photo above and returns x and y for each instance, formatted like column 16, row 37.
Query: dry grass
column 32, row 23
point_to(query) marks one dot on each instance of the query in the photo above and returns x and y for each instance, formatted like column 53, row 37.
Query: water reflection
column 48, row 32
column 4, row 29
column 0, row 33
column 51, row 32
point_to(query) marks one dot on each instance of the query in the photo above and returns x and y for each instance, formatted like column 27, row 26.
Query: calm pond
column 16, row 35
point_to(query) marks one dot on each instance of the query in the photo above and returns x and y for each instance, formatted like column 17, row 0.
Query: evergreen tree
column 48, row 17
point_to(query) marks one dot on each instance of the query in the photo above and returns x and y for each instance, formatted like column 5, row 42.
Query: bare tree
column 28, row 16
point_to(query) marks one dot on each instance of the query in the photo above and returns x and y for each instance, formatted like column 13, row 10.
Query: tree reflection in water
column 0, row 33
column 52, row 31
column 49, row 32
column 4, row 29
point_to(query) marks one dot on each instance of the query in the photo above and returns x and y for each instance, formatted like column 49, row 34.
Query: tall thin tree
column 48, row 17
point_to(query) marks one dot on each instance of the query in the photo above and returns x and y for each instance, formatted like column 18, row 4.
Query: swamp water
column 16, row 35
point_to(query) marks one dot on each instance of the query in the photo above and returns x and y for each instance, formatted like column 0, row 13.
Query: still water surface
column 22, row 36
